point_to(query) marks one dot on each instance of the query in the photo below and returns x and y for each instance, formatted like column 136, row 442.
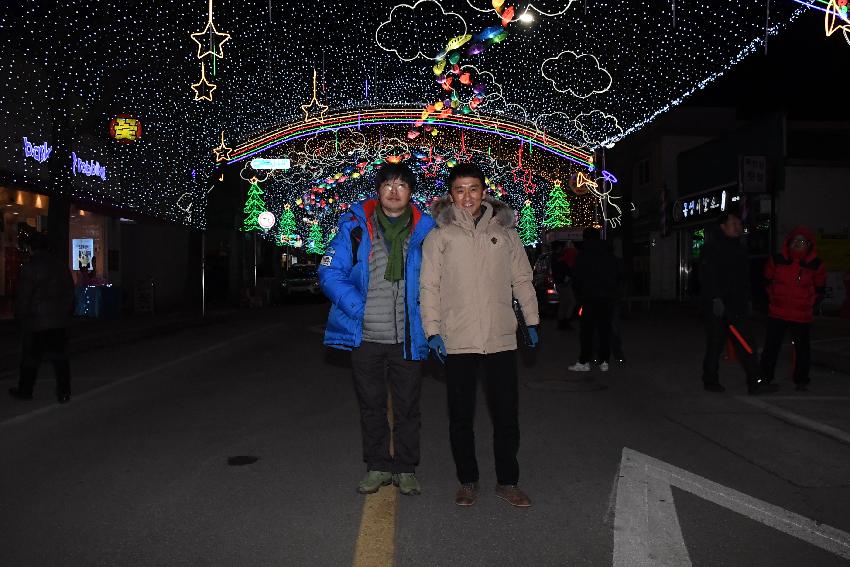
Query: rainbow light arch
column 377, row 117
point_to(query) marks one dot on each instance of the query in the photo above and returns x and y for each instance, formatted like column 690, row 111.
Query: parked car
column 544, row 284
column 302, row 279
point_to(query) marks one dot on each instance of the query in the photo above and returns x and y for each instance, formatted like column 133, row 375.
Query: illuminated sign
column 260, row 163
column 707, row 205
column 38, row 153
column 90, row 168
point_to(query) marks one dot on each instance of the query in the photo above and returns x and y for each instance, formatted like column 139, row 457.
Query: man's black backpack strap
column 356, row 237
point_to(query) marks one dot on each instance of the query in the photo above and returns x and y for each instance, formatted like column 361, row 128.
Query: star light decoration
column 203, row 88
column 210, row 42
column 314, row 103
column 222, row 152
column 655, row 64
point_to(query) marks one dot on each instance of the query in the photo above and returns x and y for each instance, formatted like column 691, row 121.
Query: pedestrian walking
column 725, row 297
column 43, row 308
column 596, row 279
column 795, row 284
column 472, row 265
column 562, row 261
column 370, row 272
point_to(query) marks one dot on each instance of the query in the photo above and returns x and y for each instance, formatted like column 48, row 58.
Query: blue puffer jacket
column 346, row 283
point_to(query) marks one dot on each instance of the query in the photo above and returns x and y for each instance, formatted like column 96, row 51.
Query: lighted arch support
column 390, row 116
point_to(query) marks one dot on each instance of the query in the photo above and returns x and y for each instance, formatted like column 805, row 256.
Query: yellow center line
column 376, row 537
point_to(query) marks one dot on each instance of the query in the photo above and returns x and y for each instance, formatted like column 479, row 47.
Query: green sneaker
column 373, row 481
column 407, row 483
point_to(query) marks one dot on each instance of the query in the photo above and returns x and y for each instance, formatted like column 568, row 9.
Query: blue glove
column 532, row 334
column 438, row 347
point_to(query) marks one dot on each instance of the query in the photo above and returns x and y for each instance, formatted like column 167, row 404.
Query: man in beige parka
column 473, row 263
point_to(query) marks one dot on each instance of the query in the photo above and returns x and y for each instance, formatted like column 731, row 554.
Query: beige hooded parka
column 469, row 274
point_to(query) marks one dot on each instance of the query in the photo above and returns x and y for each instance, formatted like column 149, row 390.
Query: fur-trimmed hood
column 444, row 213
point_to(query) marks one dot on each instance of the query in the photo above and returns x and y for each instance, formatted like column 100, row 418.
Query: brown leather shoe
column 466, row 494
column 513, row 495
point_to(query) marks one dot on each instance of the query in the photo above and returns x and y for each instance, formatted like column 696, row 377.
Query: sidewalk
column 87, row 334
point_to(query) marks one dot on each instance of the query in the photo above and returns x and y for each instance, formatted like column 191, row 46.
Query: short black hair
column 590, row 233
column 466, row 170
column 393, row 171
column 724, row 216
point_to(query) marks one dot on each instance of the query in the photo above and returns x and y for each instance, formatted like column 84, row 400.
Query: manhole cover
column 573, row 385
column 241, row 460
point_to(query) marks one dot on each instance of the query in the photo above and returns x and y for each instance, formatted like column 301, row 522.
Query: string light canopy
column 587, row 73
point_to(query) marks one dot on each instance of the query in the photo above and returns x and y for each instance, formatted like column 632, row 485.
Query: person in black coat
column 43, row 308
column 725, row 298
column 596, row 280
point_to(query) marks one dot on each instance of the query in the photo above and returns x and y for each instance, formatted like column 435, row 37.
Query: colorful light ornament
column 125, row 129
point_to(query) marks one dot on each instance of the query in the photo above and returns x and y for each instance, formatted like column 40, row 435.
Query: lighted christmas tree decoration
column 286, row 227
column 254, row 206
column 527, row 225
column 558, row 211
column 315, row 240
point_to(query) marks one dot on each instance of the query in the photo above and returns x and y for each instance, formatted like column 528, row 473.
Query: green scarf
column 395, row 232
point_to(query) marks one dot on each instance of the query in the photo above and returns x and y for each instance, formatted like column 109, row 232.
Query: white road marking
column 120, row 381
column 799, row 420
column 646, row 525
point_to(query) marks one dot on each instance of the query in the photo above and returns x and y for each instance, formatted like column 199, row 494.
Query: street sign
column 277, row 163
column 753, row 172
column 706, row 205
column 265, row 220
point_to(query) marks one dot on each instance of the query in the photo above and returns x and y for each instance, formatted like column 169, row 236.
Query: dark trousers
column 773, row 341
column 376, row 365
column 502, row 391
column 596, row 318
column 716, row 332
column 52, row 343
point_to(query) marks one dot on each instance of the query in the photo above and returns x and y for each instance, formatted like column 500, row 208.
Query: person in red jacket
column 796, row 278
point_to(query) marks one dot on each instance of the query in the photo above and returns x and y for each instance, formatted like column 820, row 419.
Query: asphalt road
column 638, row 466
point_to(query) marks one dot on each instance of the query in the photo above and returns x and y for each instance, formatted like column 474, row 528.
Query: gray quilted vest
column 383, row 317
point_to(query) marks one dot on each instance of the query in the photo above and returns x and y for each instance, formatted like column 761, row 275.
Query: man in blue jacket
column 371, row 275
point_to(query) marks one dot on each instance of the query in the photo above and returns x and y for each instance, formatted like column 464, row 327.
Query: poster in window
column 82, row 253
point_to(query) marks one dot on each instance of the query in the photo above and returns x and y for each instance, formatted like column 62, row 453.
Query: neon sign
column 707, row 205
column 91, row 168
column 38, row 153
column 260, row 163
